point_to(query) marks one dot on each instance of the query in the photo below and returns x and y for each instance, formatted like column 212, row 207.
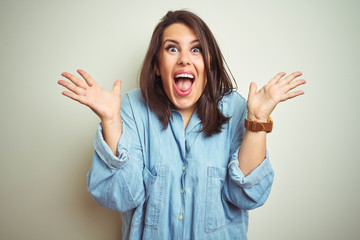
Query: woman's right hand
column 103, row 103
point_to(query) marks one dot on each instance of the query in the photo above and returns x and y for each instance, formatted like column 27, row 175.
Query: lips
column 183, row 82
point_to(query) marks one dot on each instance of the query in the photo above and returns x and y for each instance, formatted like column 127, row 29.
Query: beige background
column 46, row 139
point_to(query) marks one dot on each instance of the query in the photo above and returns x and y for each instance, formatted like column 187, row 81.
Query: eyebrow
column 176, row 42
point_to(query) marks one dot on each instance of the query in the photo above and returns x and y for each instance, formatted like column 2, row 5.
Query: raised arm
column 260, row 105
column 106, row 105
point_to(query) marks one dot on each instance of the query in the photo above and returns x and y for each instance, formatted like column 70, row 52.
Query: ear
column 157, row 71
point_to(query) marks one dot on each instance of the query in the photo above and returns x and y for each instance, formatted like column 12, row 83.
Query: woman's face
column 181, row 67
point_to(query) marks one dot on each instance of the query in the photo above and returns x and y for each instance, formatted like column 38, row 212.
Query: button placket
column 183, row 168
column 182, row 190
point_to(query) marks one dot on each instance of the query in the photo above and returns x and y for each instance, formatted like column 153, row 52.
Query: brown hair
column 218, row 83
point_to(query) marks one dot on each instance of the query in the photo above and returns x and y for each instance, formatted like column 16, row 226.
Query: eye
column 196, row 49
column 172, row 48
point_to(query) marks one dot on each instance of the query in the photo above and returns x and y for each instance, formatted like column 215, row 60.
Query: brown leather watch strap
column 259, row 126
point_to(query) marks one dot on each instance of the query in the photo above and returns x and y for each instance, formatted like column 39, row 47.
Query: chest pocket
column 214, row 210
column 154, row 185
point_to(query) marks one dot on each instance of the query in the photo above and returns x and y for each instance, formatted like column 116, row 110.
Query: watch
column 255, row 126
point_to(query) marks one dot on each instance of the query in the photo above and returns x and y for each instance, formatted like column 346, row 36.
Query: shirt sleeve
column 251, row 191
column 116, row 182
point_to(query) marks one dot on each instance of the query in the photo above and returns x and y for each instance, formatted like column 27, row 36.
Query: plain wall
column 47, row 139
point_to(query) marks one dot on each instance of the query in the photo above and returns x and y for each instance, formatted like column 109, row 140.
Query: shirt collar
column 194, row 120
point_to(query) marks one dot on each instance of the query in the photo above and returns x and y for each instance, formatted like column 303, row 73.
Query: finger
column 277, row 78
column 292, row 95
column 295, row 84
column 252, row 89
column 72, row 87
column 74, row 80
column 117, row 87
column 291, row 77
column 75, row 97
column 89, row 80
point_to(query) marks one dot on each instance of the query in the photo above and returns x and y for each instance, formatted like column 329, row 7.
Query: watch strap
column 255, row 126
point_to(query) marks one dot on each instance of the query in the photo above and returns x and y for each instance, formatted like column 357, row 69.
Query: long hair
column 218, row 83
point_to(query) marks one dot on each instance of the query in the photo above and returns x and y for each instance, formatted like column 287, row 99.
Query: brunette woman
column 186, row 157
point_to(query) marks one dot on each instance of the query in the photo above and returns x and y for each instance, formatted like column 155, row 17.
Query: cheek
column 200, row 65
column 167, row 85
column 165, row 68
column 202, row 72
column 166, row 75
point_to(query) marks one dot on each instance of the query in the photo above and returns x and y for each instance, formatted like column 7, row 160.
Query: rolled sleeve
column 254, row 178
column 105, row 153
column 251, row 191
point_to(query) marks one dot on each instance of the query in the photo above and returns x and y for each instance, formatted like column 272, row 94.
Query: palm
column 104, row 103
column 261, row 103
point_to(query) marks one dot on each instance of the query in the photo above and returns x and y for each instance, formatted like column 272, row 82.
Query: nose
column 184, row 58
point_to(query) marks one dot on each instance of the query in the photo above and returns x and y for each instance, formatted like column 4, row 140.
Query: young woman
column 186, row 156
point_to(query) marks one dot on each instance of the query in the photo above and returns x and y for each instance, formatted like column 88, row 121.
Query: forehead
column 179, row 32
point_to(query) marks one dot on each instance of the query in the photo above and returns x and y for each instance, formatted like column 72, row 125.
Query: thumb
column 117, row 87
column 252, row 89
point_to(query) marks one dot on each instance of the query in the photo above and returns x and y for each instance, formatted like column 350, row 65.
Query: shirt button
column 180, row 217
column 182, row 191
column 184, row 168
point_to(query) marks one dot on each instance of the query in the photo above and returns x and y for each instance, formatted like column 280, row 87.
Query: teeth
column 184, row 75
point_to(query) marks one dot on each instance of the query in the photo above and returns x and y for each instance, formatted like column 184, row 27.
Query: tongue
column 183, row 84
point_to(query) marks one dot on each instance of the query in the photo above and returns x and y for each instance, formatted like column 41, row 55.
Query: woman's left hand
column 261, row 103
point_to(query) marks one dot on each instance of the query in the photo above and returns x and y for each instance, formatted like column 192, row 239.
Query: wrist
column 113, row 122
column 111, row 119
column 255, row 118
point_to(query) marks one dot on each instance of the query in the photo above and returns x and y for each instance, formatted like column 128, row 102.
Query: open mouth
column 183, row 82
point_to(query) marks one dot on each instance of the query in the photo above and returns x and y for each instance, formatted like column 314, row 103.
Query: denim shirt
column 174, row 183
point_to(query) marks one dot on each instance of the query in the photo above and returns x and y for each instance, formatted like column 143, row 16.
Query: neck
column 186, row 115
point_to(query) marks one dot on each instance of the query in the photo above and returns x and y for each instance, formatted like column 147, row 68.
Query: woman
column 186, row 157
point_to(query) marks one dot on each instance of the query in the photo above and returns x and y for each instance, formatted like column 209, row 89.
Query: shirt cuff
column 105, row 153
column 254, row 177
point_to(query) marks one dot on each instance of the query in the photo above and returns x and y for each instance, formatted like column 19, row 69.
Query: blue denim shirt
column 176, row 184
